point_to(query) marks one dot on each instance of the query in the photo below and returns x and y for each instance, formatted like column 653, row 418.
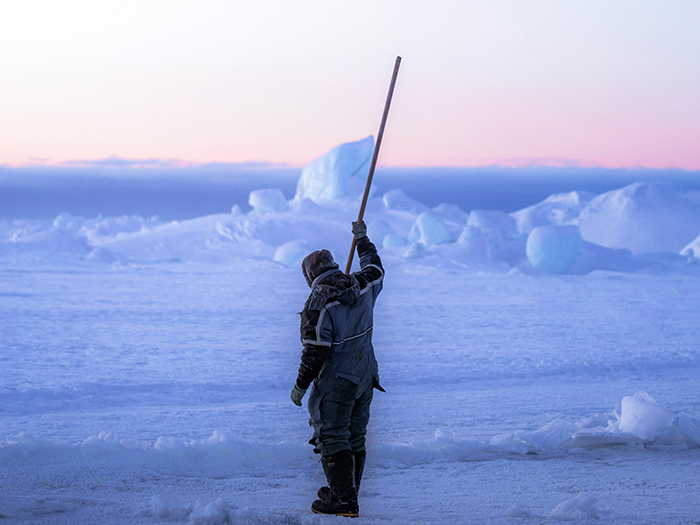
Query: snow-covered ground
column 541, row 366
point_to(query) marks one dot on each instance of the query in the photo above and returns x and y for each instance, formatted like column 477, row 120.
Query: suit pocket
column 344, row 389
column 349, row 377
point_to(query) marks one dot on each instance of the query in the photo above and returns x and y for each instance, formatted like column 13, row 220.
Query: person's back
column 338, row 357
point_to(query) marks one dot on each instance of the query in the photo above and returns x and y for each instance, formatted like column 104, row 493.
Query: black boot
column 340, row 472
column 324, row 493
column 359, row 467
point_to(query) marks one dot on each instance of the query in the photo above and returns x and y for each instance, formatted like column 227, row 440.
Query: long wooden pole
column 378, row 144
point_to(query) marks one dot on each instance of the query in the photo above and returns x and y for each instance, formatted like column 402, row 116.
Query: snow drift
column 644, row 226
column 639, row 421
column 643, row 217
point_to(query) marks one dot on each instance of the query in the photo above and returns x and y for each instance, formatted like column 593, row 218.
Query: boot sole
column 346, row 514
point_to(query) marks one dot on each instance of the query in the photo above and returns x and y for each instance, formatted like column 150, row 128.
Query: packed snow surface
column 540, row 366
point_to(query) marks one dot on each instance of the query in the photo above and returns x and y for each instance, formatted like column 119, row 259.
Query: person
column 338, row 357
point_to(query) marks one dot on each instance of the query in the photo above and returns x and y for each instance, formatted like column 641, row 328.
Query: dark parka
column 338, row 357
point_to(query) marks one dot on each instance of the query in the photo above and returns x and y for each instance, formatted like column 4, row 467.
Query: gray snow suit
column 336, row 332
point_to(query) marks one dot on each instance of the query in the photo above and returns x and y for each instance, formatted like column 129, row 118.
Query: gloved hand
column 359, row 230
column 297, row 395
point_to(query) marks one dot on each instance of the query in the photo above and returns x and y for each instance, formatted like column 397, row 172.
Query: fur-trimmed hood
column 327, row 282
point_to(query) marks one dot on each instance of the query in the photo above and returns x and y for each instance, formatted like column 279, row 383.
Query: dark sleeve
column 370, row 263
column 313, row 356
column 312, row 359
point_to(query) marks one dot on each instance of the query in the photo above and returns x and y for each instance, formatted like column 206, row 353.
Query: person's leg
column 331, row 414
column 339, row 469
column 331, row 408
column 359, row 419
column 358, row 431
column 360, row 456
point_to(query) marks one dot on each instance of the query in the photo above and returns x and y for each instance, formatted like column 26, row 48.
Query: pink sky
column 594, row 83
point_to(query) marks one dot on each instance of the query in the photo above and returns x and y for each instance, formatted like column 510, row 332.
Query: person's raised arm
column 370, row 262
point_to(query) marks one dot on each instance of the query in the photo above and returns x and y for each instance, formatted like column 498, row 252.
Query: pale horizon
column 481, row 83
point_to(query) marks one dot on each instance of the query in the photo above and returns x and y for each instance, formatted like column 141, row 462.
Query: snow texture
column 582, row 507
column 643, row 217
column 553, row 249
column 267, row 201
column 291, row 253
column 556, row 210
column 541, row 366
column 692, row 250
column 429, row 230
column 397, row 200
column 642, row 417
